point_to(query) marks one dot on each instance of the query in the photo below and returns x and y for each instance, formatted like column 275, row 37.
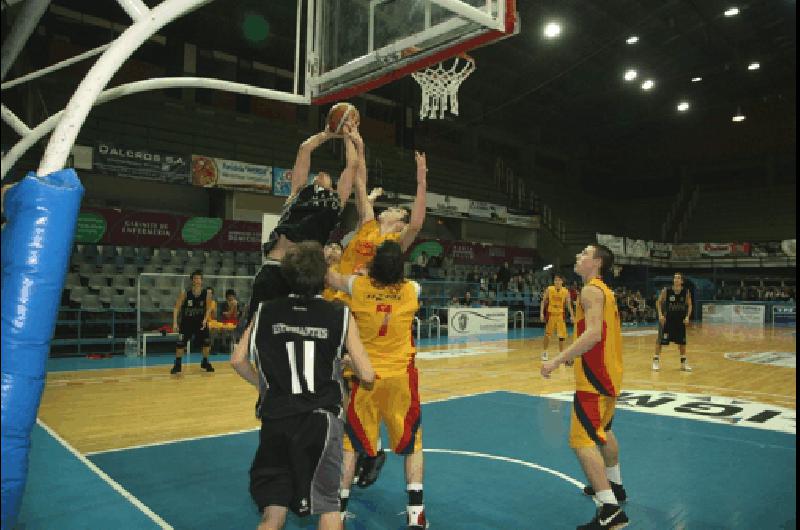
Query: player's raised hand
column 422, row 165
column 374, row 194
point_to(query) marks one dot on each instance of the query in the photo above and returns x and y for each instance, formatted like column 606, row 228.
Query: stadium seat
column 91, row 302
column 97, row 281
column 108, row 253
column 120, row 301
column 109, row 269
column 120, row 282
column 77, row 293
column 106, row 293
column 73, row 279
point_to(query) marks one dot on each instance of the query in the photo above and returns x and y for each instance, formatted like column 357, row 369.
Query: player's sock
column 177, row 366
column 344, row 496
column 613, row 474
column 544, row 355
column 415, row 508
column 606, row 497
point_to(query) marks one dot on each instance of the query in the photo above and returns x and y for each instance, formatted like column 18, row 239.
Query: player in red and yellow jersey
column 556, row 299
column 383, row 304
column 393, row 224
column 598, row 377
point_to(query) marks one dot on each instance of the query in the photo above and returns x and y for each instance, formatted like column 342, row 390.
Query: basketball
column 340, row 114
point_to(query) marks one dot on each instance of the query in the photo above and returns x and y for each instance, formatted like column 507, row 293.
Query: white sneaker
column 685, row 367
column 656, row 365
column 544, row 355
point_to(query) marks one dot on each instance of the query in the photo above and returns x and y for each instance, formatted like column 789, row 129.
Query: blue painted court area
column 480, row 473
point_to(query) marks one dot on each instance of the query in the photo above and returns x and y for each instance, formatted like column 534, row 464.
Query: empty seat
column 150, row 267
column 130, row 294
column 181, row 255
column 129, row 253
column 106, row 293
column 89, row 251
column 86, row 269
column 91, row 302
column 242, row 271
column 108, row 253
column 130, row 270
column 73, row 279
column 108, row 269
column 226, row 271
column 97, row 281
column 120, row 282
column 120, row 301
column 77, row 293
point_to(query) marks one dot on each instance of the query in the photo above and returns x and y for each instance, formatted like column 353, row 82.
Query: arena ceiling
column 568, row 93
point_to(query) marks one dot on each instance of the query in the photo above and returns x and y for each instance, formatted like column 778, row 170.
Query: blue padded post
column 36, row 243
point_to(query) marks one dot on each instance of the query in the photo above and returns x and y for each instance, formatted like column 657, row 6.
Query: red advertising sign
column 153, row 229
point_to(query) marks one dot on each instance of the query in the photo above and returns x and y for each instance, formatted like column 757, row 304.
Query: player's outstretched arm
column 240, row 361
column 339, row 282
column 592, row 302
column 417, row 219
column 302, row 163
column 358, row 356
column 345, row 184
column 363, row 204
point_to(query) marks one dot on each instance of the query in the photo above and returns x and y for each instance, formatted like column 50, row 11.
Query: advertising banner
column 522, row 218
column 789, row 247
column 784, row 314
column 469, row 253
column 466, row 321
column 139, row 163
column 446, row 205
column 282, row 181
column 615, row 244
column 153, row 229
column 636, row 248
column 717, row 313
column 660, row 250
column 487, row 210
column 686, row 250
column 719, row 250
column 211, row 172
column 747, row 314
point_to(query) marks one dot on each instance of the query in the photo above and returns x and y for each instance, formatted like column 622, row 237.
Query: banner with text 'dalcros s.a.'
column 466, row 321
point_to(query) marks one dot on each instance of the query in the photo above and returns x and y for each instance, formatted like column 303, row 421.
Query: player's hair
column 198, row 272
column 386, row 267
column 230, row 292
column 558, row 275
column 606, row 260
column 678, row 274
column 303, row 267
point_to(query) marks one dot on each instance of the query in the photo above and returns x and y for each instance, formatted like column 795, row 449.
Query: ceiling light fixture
column 753, row 66
column 633, row 39
column 731, row 12
column 552, row 30
column 631, row 74
column 683, row 106
column 648, row 84
column 738, row 116
column 697, row 79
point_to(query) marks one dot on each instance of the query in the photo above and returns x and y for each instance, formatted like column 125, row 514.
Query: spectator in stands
column 493, row 283
column 231, row 311
column 467, row 300
column 504, row 276
column 454, row 301
column 421, row 265
column 475, row 275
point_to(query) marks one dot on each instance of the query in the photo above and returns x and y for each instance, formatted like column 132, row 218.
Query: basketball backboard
column 358, row 45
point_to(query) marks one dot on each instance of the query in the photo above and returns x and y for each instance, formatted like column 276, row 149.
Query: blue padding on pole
column 36, row 245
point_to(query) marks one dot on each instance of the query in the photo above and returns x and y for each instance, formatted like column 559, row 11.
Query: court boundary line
column 116, row 486
column 253, row 429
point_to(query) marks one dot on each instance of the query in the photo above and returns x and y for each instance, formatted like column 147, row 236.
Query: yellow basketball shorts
column 591, row 418
column 393, row 401
column 556, row 325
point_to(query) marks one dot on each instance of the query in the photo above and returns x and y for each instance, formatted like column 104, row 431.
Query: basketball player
column 556, row 298
column 194, row 309
column 333, row 255
column 598, row 376
column 297, row 342
column 310, row 212
column 672, row 326
column 392, row 224
column 384, row 304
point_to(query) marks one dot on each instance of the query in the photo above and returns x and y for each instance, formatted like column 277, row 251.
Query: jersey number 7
column 387, row 309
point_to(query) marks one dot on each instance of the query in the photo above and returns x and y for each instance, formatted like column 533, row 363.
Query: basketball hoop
column 440, row 84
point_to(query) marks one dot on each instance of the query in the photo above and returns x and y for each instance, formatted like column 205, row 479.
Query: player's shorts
column 672, row 331
column 556, row 325
column 591, row 418
column 393, row 400
column 298, row 463
column 191, row 332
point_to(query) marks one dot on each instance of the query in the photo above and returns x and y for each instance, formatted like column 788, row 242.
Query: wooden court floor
column 98, row 410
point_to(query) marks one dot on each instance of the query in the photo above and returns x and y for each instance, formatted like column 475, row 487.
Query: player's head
column 333, row 253
column 303, row 267
column 230, row 295
column 324, row 180
column 197, row 278
column 558, row 281
column 387, row 266
column 394, row 217
column 594, row 260
column 677, row 279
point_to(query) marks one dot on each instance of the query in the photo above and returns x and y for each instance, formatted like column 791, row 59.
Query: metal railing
column 521, row 315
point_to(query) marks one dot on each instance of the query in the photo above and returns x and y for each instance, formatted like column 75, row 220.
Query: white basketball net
column 440, row 87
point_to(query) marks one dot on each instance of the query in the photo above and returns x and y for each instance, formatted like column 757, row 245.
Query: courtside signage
column 475, row 321
column 772, row 358
column 714, row 409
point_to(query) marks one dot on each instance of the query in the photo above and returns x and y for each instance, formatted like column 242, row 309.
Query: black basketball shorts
column 191, row 332
column 674, row 332
column 298, row 463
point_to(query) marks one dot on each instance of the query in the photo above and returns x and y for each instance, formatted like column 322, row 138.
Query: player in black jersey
column 297, row 342
column 674, row 308
column 193, row 307
column 310, row 213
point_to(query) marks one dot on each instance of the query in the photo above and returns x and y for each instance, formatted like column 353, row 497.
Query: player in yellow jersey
column 556, row 298
column 383, row 304
column 393, row 224
column 333, row 255
column 598, row 376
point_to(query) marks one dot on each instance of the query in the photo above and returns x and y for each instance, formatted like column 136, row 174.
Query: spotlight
column 631, row 74
column 648, row 84
column 552, row 30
